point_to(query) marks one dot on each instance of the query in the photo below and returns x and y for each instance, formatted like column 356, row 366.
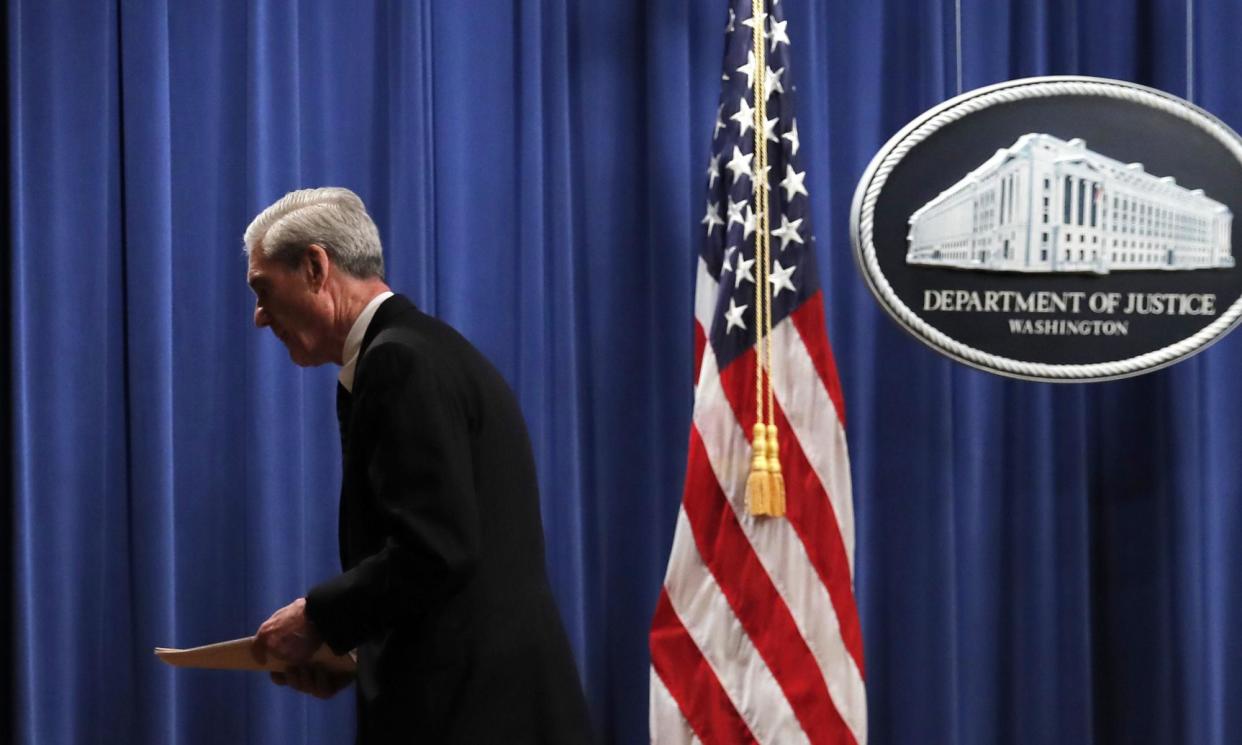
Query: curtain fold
column 151, row 383
column 7, row 596
column 1035, row 563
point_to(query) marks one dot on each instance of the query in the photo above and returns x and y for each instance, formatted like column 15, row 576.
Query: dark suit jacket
column 444, row 592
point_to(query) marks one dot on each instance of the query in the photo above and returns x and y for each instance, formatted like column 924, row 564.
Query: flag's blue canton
column 729, row 222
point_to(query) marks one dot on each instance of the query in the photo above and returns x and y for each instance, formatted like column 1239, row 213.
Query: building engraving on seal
column 1046, row 205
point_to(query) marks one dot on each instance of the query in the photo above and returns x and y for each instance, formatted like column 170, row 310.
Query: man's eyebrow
column 254, row 280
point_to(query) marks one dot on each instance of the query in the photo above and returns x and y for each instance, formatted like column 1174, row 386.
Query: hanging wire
column 957, row 12
column 1190, row 50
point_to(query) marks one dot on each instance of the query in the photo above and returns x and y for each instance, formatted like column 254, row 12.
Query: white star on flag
column 743, row 273
column 777, row 34
column 748, row 70
column 780, row 278
column 733, row 316
column 745, row 116
column 712, row 218
column 713, row 171
column 769, row 129
column 753, row 20
column 740, row 163
column 792, row 136
column 792, row 183
column 735, row 212
column 761, row 180
column 788, row 231
column 772, row 82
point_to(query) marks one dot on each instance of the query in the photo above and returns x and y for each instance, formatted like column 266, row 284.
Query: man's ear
column 315, row 266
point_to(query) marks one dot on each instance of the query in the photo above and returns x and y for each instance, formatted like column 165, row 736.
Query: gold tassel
column 758, row 484
column 776, row 493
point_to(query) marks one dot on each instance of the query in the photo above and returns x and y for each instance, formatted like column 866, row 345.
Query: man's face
column 287, row 301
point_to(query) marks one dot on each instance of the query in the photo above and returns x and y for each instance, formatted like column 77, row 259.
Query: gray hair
column 331, row 217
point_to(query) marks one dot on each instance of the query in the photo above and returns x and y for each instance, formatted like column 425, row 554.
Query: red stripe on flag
column 756, row 602
column 691, row 681
column 809, row 509
column 810, row 512
column 808, row 318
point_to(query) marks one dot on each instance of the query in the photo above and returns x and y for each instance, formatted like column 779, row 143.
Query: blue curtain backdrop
column 1036, row 563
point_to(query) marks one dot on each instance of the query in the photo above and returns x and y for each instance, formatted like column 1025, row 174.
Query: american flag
column 756, row 635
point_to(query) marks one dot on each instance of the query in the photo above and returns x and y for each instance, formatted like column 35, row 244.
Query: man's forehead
column 257, row 266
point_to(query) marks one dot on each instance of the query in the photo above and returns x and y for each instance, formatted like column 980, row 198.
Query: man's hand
column 288, row 635
column 315, row 680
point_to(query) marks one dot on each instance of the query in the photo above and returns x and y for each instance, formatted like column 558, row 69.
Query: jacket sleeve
column 413, row 437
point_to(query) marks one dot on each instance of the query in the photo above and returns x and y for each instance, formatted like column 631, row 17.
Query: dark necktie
column 344, row 404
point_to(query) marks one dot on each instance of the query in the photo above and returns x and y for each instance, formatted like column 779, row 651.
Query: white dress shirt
column 353, row 342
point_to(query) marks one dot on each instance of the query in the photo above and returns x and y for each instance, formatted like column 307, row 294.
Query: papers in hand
column 235, row 655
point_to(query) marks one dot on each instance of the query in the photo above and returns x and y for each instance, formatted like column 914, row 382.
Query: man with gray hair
column 444, row 594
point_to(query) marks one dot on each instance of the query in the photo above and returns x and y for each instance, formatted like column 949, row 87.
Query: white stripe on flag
column 705, row 298
column 720, row 637
column 667, row 724
column 780, row 550
column 813, row 417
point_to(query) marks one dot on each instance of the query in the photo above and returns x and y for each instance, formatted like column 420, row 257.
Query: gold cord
column 765, row 489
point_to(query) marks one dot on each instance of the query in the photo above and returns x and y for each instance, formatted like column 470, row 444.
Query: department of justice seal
column 1056, row 229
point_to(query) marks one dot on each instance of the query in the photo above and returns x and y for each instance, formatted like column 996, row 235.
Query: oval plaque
column 1057, row 229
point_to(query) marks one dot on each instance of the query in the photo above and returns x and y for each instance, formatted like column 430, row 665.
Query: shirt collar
column 354, row 340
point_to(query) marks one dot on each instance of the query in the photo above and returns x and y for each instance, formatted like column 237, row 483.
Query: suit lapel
column 385, row 315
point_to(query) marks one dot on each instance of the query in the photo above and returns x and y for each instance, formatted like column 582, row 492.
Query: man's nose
column 261, row 318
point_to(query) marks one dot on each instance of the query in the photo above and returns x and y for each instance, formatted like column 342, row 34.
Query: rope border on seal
column 1019, row 90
